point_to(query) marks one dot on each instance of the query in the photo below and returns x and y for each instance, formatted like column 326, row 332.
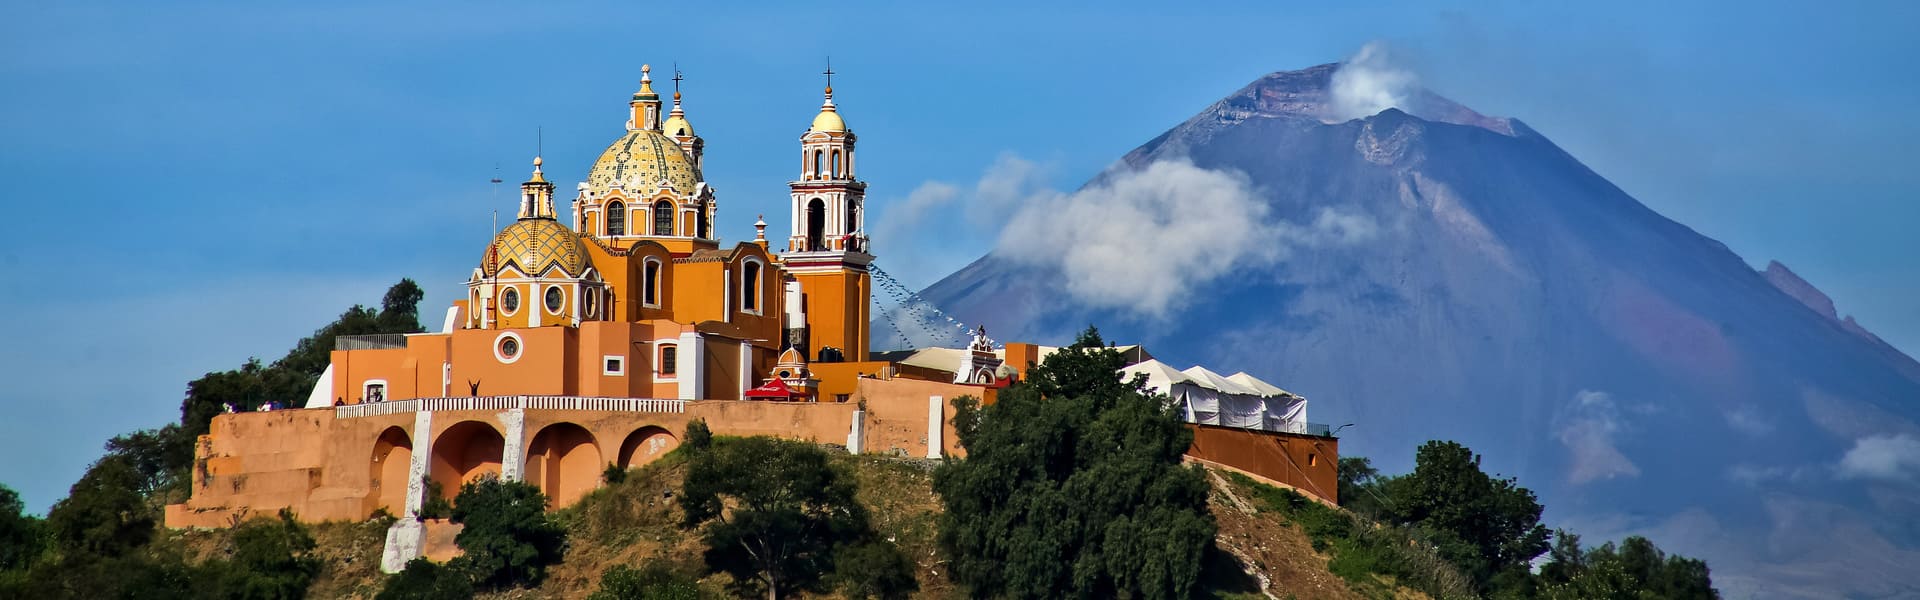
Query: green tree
column 103, row 513
column 874, row 569
column 698, row 436
column 1482, row 524
column 655, row 581
column 20, row 533
column 1074, row 485
column 772, row 512
column 272, row 559
column 164, row 459
column 507, row 539
column 422, row 579
column 1360, row 485
column 1635, row 569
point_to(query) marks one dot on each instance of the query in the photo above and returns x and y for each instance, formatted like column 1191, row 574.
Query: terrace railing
column 640, row 405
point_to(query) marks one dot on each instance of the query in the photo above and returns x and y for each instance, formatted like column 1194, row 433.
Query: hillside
column 1429, row 272
column 637, row 521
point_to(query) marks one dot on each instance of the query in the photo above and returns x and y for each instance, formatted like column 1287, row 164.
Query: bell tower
column 827, row 251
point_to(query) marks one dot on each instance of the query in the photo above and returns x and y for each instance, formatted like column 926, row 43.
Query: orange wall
column 1306, row 463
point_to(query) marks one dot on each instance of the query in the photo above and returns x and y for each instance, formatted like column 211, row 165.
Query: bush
column 508, row 539
column 614, row 474
column 271, row 559
column 874, row 569
column 656, row 581
column 785, row 509
column 424, row 580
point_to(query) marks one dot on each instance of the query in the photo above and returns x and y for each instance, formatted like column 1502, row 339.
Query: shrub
column 271, row 559
column 874, row 569
column 424, row 580
column 508, row 539
column 656, row 581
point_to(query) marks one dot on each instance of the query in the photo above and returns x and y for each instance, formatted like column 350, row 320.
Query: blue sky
column 188, row 184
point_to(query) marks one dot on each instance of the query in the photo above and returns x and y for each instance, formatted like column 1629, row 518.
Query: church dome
column 829, row 117
column 639, row 160
column 534, row 246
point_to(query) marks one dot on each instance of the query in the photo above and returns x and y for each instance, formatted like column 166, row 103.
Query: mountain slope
column 1640, row 375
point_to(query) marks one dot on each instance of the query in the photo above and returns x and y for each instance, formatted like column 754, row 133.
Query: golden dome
column 638, row 161
column 829, row 118
column 677, row 124
column 534, row 246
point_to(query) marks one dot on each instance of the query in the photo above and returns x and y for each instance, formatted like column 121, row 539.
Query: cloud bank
column 1883, row 457
column 1589, row 426
column 1369, row 82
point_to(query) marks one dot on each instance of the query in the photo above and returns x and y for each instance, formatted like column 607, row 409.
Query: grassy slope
column 637, row 521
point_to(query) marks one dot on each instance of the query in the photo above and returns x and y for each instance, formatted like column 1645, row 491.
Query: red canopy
column 775, row 389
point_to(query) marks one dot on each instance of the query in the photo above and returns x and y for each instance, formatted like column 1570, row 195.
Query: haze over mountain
column 1424, row 271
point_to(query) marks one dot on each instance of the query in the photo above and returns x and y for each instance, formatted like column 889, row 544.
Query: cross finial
column 677, row 77
column 829, row 72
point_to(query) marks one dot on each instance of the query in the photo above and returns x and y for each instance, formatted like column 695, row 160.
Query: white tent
column 1285, row 411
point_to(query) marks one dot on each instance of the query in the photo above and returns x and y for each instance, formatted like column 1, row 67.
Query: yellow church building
column 593, row 340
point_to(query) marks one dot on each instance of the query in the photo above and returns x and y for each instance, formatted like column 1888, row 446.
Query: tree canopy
column 1073, row 485
column 508, row 539
column 775, row 514
column 1484, row 525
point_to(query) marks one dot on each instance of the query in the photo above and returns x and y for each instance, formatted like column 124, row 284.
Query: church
column 590, row 340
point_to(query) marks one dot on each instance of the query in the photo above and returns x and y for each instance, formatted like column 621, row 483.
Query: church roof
column 639, row 160
column 533, row 246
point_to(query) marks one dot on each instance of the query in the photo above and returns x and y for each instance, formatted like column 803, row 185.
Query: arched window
column 616, row 218
column 663, row 218
column 819, row 164
column 836, row 164
column 651, row 295
column 853, row 217
column 750, row 287
column 700, row 220
column 669, row 359
column 816, row 224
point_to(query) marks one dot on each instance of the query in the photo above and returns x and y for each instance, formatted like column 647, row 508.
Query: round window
column 554, row 297
column 591, row 305
column 509, row 347
column 510, row 300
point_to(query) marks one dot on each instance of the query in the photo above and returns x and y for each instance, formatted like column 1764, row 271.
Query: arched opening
column 700, row 220
column 816, row 224
column 650, row 295
column 464, row 452
column 819, row 164
column 853, row 216
column 750, row 287
column 564, row 462
column 836, row 164
column 646, row 445
column 388, row 470
column 616, row 218
column 663, row 218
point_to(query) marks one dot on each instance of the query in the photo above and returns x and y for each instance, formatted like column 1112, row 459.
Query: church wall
column 898, row 412
column 352, row 369
column 544, row 366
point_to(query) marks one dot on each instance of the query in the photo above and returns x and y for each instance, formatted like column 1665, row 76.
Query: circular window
column 554, row 298
column 510, row 300
column 507, row 347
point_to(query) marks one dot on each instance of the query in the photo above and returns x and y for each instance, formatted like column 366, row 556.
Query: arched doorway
column 388, row 470
column 816, row 225
column 463, row 453
column 565, row 462
column 646, row 445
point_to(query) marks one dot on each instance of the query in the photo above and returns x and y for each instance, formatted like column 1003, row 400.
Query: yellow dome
column 638, row 160
column 677, row 125
column 829, row 117
column 829, row 120
column 535, row 245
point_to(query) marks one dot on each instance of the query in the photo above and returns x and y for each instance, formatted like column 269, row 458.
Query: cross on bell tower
column 827, row 251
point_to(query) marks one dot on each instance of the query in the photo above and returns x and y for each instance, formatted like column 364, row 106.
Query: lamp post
column 1336, row 430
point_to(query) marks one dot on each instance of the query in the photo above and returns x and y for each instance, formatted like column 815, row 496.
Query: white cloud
column 1748, row 420
column 1589, row 425
column 1885, row 457
column 1368, row 82
column 1142, row 239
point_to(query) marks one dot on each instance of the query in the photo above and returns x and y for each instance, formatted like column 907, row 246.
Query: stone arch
column 464, row 452
column 646, row 445
column 564, row 462
column 389, row 471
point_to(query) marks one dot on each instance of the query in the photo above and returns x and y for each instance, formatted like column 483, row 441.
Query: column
column 692, row 367
column 513, row 453
column 936, row 426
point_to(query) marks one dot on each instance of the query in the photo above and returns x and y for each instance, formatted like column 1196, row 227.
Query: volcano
column 1640, row 376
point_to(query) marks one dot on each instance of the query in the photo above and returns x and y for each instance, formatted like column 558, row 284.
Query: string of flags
column 930, row 317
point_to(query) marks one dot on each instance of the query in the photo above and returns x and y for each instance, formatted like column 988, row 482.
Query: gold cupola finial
column 645, row 114
column 646, row 79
